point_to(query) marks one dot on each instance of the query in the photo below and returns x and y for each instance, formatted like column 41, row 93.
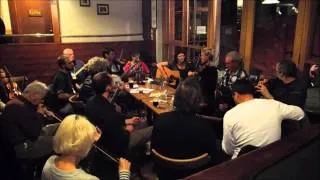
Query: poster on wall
column 85, row 3
column 103, row 9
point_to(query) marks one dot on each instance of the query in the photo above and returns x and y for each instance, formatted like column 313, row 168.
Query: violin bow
column 116, row 160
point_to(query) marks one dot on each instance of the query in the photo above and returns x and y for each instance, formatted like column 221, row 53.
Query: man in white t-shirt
column 255, row 122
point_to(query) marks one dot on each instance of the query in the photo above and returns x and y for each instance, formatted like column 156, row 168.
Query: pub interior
column 160, row 89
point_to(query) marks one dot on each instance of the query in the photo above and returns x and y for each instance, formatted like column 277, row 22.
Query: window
column 274, row 33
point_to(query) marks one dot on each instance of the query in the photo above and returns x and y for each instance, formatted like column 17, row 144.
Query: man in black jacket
column 287, row 87
column 119, row 134
column 22, row 121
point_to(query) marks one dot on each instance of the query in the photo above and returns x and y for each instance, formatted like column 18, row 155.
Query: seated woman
column 179, row 64
column 94, row 66
column 135, row 68
column 73, row 141
column 179, row 134
column 207, row 75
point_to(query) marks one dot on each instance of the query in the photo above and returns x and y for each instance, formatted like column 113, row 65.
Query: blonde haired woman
column 73, row 141
column 207, row 75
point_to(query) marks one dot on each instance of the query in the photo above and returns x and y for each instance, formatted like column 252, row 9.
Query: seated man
column 233, row 71
column 120, row 135
column 62, row 83
column 77, row 65
column 114, row 65
column 255, row 122
column 21, row 128
column 287, row 87
column 22, row 122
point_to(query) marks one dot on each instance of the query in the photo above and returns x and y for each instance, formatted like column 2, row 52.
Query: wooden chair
column 170, row 168
column 217, row 124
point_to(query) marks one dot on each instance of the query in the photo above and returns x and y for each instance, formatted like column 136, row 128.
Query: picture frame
column 85, row 3
column 103, row 9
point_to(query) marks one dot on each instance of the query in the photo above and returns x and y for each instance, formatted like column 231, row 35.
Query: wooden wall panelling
column 38, row 61
column 34, row 61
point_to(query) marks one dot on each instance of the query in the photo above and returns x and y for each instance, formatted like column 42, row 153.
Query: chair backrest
column 217, row 124
column 181, row 164
column 78, row 106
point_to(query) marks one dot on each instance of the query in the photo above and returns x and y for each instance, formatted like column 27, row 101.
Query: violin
column 12, row 87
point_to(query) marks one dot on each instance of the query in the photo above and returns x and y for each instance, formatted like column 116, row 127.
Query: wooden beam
column 15, row 24
column 304, row 32
column 214, row 19
column 247, row 30
column 165, row 22
column 55, row 16
column 171, row 29
column 185, row 21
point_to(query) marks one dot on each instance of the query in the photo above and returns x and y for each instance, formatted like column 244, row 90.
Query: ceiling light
column 270, row 2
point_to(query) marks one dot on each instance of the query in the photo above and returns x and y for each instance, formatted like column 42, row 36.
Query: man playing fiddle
column 114, row 65
column 62, row 83
column 21, row 125
column 69, row 53
column 207, row 74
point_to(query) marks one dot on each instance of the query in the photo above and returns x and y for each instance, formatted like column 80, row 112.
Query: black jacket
column 115, row 138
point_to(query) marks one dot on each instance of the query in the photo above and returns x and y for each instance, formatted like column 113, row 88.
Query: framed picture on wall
column 103, row 9
column 85, row 3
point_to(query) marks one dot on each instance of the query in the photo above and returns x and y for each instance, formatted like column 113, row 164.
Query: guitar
column 166, row 73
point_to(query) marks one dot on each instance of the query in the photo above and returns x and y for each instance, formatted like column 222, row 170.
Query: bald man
column 68, row 52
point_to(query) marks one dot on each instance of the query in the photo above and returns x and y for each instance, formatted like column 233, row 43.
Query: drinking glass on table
column 131, row 82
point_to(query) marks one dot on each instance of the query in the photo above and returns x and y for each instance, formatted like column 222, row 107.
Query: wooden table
column 147, row 100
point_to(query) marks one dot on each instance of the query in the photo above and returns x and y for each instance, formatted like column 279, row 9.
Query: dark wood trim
column 146, row 19
column 27, row 35
column 106, row 35
column 252, row 163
